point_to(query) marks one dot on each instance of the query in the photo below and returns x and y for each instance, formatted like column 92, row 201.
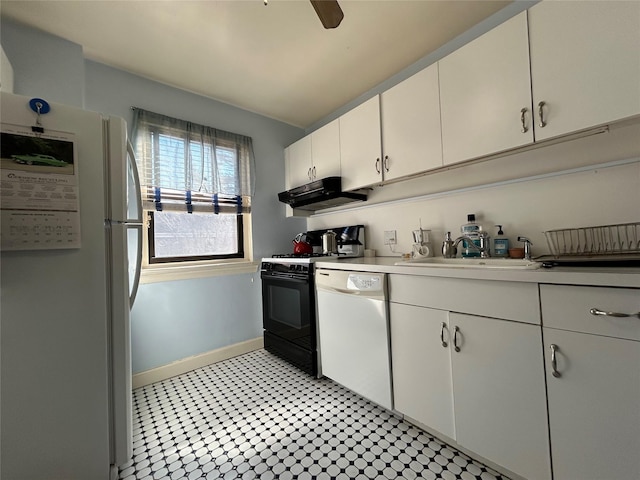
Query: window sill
column 167, row 273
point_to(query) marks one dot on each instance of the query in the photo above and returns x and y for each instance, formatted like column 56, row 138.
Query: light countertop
column 596, row 276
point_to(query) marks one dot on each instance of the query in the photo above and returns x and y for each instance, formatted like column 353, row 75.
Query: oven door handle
column 286, row 278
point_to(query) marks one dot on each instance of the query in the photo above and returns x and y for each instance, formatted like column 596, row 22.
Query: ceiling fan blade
column 329, row 12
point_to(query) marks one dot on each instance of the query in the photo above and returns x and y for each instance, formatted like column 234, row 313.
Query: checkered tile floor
column 257, row 417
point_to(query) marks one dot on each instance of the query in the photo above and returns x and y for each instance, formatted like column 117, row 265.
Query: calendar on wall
column 39, row 202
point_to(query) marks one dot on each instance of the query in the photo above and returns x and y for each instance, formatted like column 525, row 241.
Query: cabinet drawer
column 568, row 307
column 507, row 300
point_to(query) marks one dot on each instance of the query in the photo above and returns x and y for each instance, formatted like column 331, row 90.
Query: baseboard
column 191, row 363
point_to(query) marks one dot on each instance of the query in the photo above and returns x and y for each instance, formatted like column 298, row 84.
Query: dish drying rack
column 601, row 241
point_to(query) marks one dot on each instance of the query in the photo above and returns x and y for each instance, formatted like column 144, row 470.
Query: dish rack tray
column 623, row 238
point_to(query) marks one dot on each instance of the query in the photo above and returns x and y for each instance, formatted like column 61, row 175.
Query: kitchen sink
column 508, row 263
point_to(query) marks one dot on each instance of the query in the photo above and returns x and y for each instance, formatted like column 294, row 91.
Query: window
column 196, row 189
column 176, row 236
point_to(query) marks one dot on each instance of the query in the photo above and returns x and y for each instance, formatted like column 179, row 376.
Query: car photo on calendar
column 36, row 154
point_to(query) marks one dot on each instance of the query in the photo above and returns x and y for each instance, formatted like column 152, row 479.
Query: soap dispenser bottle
column 500, row 244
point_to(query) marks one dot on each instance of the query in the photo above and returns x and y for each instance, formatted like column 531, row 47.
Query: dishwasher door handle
column 340, row 290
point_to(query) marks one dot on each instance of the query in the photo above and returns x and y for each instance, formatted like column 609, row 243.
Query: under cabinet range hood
column 323, row 193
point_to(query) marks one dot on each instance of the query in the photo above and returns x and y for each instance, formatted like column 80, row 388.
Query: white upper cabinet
column 410, row 117
column 405, row 120
column 298, row 162
column 485, row 93
column 325, row 151
column 360, row 145
column 558, row 68
column 314, row 157
column 585, row 64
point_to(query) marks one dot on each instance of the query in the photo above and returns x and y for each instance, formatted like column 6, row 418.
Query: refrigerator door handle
column 138, row 270
column 137, row 223
column 136, row 182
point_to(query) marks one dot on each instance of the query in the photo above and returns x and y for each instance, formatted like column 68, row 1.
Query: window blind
column 192, row 167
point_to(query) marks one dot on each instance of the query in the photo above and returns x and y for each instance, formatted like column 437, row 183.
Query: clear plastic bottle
column 472, row 230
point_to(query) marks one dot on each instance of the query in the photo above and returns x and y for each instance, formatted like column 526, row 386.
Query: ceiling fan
column 328, row 11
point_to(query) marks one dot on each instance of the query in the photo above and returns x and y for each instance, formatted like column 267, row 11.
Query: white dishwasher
column 353, row 332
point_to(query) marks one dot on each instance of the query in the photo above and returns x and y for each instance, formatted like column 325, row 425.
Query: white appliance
column 353, row 332
column 65, row 332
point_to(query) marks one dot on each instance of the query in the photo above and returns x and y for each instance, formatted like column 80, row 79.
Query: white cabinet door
column 325, row 151
column 410, row 116
column 585, row 64
column 594, row 406
column 484, row 86
column 360, row 145
column 299, row 165
column 422, row 387
column 499, row 393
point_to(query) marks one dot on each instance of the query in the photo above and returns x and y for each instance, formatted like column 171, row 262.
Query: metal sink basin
column 508, row 263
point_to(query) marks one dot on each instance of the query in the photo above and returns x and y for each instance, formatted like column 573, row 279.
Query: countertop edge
column 594, row 276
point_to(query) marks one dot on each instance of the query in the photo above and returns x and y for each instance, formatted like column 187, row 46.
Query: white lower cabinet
column 594, row 406
column 477, row 380
column 499, row 393
column 592, row 351
column 422, row 384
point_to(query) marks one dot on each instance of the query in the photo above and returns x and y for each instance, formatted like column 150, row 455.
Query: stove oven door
column 288, row 309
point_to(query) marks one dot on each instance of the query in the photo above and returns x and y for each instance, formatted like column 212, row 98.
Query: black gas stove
column 288, row 296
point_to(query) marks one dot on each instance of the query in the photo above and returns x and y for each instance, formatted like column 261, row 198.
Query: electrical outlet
column 390, row 237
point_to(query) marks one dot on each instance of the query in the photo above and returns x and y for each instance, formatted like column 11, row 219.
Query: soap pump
column 500, row 244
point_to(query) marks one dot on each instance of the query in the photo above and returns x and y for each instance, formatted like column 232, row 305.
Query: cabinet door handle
column 523, row 121
column 554, row 363
column 313, row 173
column 596, row 311
column 443, row 327
column 455, row 338
column 309, row 173
column 541, row 114
column 386, row 163
column 378, row 165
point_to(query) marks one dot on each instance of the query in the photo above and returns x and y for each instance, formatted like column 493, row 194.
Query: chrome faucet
column 449, row 247
column 527, row 247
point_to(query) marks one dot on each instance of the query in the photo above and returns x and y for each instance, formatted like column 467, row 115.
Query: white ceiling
column 276, row 60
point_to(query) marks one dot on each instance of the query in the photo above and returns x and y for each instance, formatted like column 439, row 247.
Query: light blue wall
column 174, row 320
column 171, row 320
column 43, row 65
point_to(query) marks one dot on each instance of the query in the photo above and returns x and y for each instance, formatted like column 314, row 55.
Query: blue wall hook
column 39, row 106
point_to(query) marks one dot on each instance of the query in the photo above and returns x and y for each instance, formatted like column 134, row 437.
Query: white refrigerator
column 65, row 361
